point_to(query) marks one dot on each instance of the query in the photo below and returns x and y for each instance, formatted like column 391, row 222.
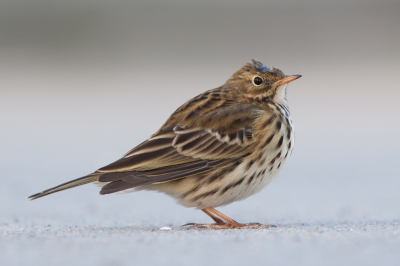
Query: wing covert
column 223, row 134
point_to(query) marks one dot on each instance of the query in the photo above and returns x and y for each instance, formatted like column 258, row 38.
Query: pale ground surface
column 313, row 244
column 313, row 228
column 81, row 83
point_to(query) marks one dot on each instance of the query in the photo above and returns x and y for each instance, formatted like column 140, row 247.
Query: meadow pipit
column 222, row 146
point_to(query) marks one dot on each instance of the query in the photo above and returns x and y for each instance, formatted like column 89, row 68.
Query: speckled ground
column 79, row 227
column 313, row 244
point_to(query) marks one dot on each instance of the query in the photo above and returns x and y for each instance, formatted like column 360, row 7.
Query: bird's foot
column 224, row 222
column 224, row 225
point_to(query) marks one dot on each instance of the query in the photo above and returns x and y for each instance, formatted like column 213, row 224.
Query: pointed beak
column 288, row 79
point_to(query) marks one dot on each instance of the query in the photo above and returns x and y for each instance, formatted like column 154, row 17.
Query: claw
column 189, row 225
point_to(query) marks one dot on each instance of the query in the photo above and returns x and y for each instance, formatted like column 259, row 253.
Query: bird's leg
column 215, row 218
column 224, row 222
column 230, row 223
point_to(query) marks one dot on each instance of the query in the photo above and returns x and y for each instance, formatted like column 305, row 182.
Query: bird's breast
column 275, row 145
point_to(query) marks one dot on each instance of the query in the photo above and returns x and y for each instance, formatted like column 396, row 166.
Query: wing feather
column 126, row 180
column 198, row 144
column 182, row 139
column 149, row 146
column 185, row 149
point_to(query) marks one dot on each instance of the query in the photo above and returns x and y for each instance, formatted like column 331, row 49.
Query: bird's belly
column 248, row 178
column 255, row 179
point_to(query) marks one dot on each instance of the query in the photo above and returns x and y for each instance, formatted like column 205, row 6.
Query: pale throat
column 280, row 95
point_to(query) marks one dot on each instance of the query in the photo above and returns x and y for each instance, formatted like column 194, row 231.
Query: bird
column 219, row 147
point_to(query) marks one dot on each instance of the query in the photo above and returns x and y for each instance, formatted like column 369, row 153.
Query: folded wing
column 187, row 148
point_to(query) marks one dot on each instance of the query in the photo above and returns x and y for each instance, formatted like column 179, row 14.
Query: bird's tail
column 70, row 184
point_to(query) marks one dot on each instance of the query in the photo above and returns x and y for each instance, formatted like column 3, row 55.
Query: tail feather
column 70, row 184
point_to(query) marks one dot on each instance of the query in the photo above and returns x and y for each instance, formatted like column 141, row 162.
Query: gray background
column 82, row 82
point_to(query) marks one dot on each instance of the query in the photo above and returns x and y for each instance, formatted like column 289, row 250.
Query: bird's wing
column 182, row 149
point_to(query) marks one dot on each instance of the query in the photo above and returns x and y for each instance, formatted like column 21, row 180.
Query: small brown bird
column 222, row 146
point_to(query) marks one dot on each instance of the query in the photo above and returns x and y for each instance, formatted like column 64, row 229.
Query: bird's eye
column 257, row 81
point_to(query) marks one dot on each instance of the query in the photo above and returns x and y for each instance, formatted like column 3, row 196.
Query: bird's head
column 258, row 82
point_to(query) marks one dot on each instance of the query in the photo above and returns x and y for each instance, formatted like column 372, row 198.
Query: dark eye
column 257, row 80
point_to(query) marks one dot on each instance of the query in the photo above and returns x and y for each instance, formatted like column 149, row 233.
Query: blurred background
column 82, row 82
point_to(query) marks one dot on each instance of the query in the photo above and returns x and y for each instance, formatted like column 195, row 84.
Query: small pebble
column 165, row 228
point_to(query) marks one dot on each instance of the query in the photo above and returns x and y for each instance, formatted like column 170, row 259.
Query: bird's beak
column 288, row 79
